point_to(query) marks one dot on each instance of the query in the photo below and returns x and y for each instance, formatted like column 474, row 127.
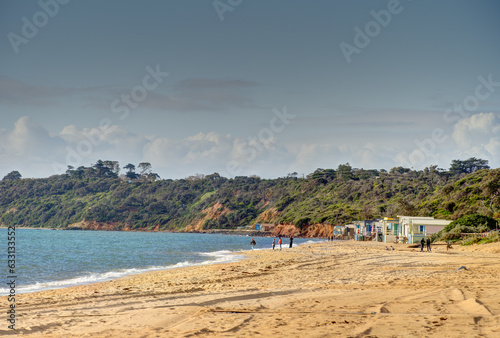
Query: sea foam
column 216, row 257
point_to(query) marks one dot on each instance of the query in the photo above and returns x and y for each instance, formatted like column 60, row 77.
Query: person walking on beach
column 291, row 241
column 428, row 244
column 422, row 243
column 274, row 242
column 280, row 242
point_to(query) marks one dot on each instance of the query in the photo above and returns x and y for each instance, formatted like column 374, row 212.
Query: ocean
column 51, row 259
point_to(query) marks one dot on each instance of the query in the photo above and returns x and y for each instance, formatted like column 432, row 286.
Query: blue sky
column 244, row 87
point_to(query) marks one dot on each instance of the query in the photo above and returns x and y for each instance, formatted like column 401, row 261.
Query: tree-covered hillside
column 328, row 196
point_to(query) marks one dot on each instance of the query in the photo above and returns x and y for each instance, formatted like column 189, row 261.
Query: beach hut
column 349, row 230
column 378, row 230
column 415, row 228
column 363, row 229
column 390, row 228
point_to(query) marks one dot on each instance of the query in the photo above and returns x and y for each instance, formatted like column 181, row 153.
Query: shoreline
column 220, row 256
column 72, row 282
column 322, row 289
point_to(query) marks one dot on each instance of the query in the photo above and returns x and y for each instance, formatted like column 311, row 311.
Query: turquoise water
column 49, row 259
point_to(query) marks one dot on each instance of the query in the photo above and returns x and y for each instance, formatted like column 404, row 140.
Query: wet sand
column 347, row 289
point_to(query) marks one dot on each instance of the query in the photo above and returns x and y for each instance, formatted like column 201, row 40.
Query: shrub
column 456, row 232
column 472, row 240
column 472, row 221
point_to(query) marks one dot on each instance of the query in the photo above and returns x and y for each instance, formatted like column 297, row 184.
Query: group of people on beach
column 423, row 242
column 280, row 242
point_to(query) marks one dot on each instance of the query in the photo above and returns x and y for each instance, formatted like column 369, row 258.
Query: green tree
column 100, row 168
column 145, row 168
column 70, row 170
column 131, row 174
column 344, row 171
column 323, row 176
column 106, row 168
column 113, row 166
column 468, row 166
column 399, row 170
column 13, row 175
column 152, row 177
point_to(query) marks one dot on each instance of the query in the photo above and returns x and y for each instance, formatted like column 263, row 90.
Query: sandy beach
column 345, row 289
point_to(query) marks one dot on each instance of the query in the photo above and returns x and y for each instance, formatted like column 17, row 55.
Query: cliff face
column 268, row 216
column 318, row 230
column 286, row 230
column 210, row 213
column 315, row 230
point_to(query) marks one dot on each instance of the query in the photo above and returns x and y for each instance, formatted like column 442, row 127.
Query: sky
column 247, row 87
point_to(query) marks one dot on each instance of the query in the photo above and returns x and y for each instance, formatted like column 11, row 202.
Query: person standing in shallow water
column 274, row 242
column 253, row 243
column 280, row 242
column 291, row 241
column 428, row 244
column 422, row 243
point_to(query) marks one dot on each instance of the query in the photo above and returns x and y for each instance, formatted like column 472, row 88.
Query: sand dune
column 347, row 289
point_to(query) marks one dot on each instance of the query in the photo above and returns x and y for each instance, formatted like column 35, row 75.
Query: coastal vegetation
column 99, row 195
column 475, row 228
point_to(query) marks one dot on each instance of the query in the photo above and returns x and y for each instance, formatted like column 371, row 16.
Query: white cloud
column 493, row 147
column 212, row 152
column 28, row 139
column 476, row 130
column 478, row 136
column 197, row 153
column 319, row 155
column 29, row 146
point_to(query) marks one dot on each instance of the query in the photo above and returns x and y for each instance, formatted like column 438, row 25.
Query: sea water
column 50, row 259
